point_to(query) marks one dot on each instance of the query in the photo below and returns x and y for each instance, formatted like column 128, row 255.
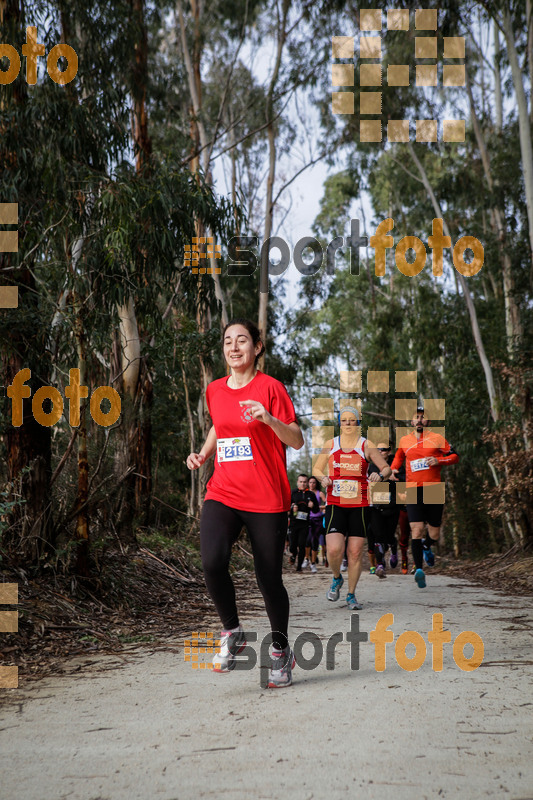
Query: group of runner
column 346, row 467
column 253, row 421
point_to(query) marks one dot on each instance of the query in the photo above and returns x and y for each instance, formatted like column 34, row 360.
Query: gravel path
column 149, row 726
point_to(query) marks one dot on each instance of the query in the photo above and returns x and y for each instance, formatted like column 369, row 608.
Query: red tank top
column 348, row 471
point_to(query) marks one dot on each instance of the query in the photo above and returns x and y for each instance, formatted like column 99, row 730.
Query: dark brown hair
column 252, row 329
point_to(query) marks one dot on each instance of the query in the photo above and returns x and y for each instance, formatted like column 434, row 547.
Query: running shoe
column 372, row 570
column 313, row 568
column 380, row 572
column 231, row 643
column 420, row 578
column 305, row 563
column 405, row 566
column 335, row 588
column 344, row 565
column 352, row 603
column 326, row 563
column 283, row 662
column 429, row 556
column 393, row 563
column 292, row 559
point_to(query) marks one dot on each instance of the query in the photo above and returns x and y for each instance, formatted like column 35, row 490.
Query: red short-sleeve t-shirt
column 250, row 467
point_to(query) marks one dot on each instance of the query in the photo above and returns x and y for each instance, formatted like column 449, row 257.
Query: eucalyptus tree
column 95, row 231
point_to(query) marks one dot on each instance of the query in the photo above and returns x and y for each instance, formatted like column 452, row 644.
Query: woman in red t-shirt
column 253, row 421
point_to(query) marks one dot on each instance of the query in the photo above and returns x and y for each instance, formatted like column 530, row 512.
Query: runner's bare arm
column 321, row 464
column 195, row 460
column 290, row 435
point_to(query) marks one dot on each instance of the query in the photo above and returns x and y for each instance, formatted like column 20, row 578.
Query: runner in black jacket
column 302, row 503
column 384, row 519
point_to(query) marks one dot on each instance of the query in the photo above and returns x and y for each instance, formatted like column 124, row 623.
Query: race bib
column 234, row 449
column 302, row 515
column 419, row 464
column 380, row 498
column 346, row 489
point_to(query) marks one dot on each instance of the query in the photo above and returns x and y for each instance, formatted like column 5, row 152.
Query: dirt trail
column 149, row 726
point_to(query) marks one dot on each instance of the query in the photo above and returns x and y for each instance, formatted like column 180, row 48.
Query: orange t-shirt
column 416, row 452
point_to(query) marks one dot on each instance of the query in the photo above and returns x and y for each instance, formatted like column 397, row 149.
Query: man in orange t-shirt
column 424, row 452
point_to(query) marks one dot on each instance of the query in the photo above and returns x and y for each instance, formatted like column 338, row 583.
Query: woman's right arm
column 195, row 460
column 321, row 464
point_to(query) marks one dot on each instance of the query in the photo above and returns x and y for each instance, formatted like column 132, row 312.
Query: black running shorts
column 425, row 512
column 349, row 521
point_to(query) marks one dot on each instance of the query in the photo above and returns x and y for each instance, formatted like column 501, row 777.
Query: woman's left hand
column 257, row 410
column 374, row 476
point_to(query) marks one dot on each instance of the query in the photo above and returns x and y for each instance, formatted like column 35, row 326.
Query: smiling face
column 239, row 349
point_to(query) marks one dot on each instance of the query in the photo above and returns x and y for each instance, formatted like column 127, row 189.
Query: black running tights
column 219, row 528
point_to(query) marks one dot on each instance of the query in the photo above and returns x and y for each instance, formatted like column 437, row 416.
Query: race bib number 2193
column 234, row 449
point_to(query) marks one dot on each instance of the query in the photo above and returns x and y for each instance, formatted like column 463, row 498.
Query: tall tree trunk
column 82, row 517
column 136, row 446
column 526, row 146
column 269, row 208
column 192, row 67
column 192, row 441
column 129, row 369
column 529, row 22
column 498, row 102
column 478, row 340
column 28, row 447
column 513, row 327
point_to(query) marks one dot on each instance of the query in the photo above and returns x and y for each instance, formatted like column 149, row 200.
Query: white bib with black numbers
column 380, row 498
column 345, row 488
column 234, row 449
column 419, row 464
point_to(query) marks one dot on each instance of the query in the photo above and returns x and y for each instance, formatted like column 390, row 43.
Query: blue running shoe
column 429, row 556
column 352, row 603
column 335, row 588
column 420, row 578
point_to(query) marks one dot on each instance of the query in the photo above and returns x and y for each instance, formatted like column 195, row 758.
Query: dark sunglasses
column 383, row 449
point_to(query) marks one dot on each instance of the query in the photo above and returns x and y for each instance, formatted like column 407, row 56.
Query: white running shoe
column 231, row 643
column 313, row 568
column 305, row 563
column 283, row 662
column 344, row 565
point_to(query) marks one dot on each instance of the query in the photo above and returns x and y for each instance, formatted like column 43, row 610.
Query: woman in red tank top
column 342, row 468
